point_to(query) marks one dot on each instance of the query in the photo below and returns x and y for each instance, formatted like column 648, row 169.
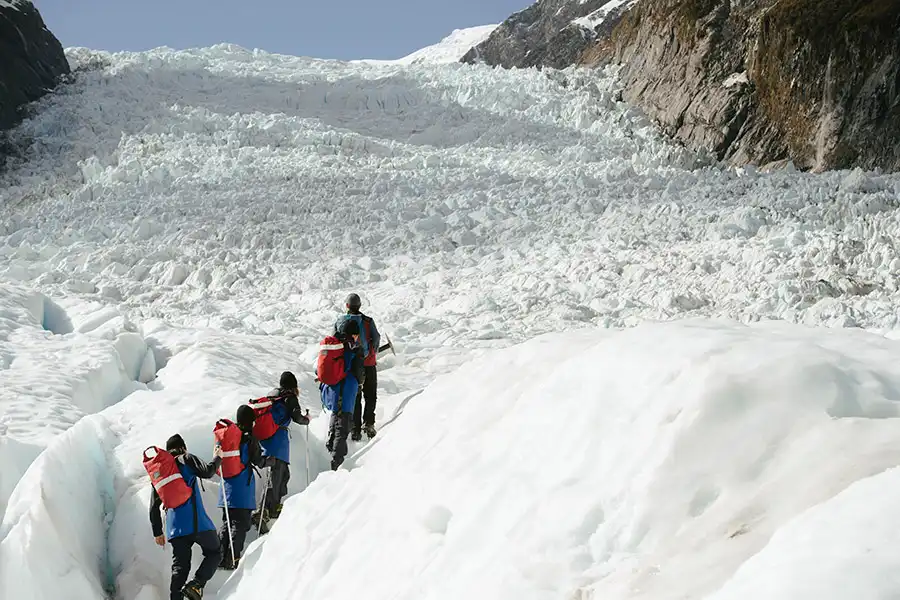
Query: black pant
column 338, row 431
column 181, row 560
column 240, row 525
column 370, row 389
column 279, row 474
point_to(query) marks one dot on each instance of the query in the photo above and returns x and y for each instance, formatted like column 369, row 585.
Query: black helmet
column 245, row 417
column 353, row 302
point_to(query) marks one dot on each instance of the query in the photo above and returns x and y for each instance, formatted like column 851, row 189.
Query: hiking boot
column 254, row 518
column 356, row 435
column 254, row 521
column 193, row 591
column 276, row 512
column 335, row 464
column 228, row 565
column 370, row 430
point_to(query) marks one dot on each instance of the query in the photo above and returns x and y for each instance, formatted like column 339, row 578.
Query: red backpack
column 330, row 366
column 166, row 478
column 264, row 426
column 228, row 435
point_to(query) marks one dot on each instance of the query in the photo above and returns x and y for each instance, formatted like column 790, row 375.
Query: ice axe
column 386, row 346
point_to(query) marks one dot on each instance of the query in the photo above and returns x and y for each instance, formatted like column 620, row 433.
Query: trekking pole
column 227, row 516
column 262, row 505
column 307, row 451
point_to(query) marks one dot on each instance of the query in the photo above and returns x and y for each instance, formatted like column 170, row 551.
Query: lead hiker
column 370, row 340
column 240, row 452
column 339, row 370
column 274, row 414
column 174, row 474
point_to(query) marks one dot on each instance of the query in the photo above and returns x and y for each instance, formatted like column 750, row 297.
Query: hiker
column 370, row 340
column 174, row 474
column 274, row 414
column 340, row 352
column 240, row 453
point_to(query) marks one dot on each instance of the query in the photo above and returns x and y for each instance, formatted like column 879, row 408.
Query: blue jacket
column 363, row 342
column 240, row 490
column 279, row 445
column 345, row 389
column 190, row 517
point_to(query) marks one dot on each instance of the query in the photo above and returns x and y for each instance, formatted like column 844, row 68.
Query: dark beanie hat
column 176, row 442
column 349, row 327
column 245, row 417
column 288, row 381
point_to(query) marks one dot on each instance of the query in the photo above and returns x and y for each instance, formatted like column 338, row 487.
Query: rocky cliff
column 31, row 59
column 754, row 81
column 550, row 33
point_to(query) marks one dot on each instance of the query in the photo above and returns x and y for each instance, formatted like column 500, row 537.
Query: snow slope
column 451, row 48
column 685, row 460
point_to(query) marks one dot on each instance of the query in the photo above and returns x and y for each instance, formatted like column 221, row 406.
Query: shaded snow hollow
column 57, row 367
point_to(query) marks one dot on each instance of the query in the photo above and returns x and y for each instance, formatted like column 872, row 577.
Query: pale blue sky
column 323, row 28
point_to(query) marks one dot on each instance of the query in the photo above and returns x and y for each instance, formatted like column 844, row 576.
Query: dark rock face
column 31, row 59
column 752, row 81
column 757, row 81
column 543, row 35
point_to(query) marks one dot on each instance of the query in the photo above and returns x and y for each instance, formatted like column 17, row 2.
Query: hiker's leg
column 212, row 556
column 240, row 525
column 370, row 389
column 181, row 564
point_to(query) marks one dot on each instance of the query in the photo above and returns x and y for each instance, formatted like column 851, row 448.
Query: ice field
column 623, row 371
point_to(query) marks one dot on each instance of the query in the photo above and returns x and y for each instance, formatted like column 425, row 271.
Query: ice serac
column 32, row 59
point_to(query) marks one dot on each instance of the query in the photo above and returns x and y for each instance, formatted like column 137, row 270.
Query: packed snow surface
column 650, row 463
column 180, row 227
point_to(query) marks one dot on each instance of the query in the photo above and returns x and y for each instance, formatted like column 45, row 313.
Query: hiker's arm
column 255, row 452
column 203, row 470
column 357, row 366
column 376, row 336
column 155, row 518
column 296, row 412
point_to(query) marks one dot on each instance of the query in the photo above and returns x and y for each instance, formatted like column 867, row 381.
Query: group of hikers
column 259, row 438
